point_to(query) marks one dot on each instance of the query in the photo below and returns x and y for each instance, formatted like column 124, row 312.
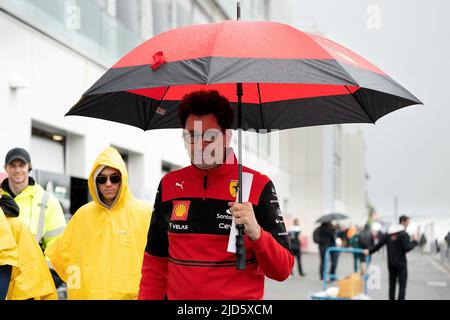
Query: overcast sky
column 408, row 151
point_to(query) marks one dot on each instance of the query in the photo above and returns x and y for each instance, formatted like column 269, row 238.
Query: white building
column 52, row 51
column 326, row 164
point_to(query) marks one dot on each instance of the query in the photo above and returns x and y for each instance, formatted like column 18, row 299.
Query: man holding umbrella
column 186, row 255
column 325, row 237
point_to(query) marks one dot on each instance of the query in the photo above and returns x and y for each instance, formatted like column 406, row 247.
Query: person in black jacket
column 325, row 237
column 447, row 241
column 398, row 244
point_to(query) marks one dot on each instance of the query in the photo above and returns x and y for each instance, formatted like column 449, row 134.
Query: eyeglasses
column 209, row 136
column 115, row 178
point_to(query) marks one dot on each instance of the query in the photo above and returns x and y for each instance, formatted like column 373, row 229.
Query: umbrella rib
column 361, row 105
column 260, row 106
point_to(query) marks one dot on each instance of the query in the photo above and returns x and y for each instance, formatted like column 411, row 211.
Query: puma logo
column 179, row 185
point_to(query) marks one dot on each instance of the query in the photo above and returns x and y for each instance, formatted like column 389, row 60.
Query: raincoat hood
column 105, row 244
column 109, row 157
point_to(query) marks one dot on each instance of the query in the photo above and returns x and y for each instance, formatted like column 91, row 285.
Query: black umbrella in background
column 331, row 217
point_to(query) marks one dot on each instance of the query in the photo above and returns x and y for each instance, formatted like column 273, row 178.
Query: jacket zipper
column 205, row 185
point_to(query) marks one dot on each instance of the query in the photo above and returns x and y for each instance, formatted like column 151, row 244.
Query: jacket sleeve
column 55, row 222
column 153, row 284
column 9, row 252
column 378, row 246
column 407, row 244
column 272, row 249
column 59, row 250
column 32, row 278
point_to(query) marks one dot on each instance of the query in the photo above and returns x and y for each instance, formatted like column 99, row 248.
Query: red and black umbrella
column 290, row 79
column 275, row 76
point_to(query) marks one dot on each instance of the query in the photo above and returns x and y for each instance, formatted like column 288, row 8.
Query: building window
column 109, row 6
column 199, row 16
column 129, row 14
column 183, row 13
column 48, row 148
column 162, row 16
column 124, row 154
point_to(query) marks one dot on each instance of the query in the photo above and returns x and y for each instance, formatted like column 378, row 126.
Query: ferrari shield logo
column 233, row 188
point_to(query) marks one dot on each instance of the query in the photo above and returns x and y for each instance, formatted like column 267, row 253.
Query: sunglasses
column 115, row 178
column 208, row 136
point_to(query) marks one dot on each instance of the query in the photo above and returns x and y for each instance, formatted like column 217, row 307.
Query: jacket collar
column 7, row 188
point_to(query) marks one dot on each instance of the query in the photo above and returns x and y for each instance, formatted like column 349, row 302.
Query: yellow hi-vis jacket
column 30, row 277
column 45, row 225
column 101, row 251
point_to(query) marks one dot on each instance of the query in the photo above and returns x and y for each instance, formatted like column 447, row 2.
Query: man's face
column 17, row 171
column 405, row 223
column 205, row 141
column 107, row 188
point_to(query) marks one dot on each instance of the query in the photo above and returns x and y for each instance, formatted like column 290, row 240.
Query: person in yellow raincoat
column 101, row 251
column 9, row 254
column 30, row 276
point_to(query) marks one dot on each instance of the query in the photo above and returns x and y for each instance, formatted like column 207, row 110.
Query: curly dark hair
column 204, row 102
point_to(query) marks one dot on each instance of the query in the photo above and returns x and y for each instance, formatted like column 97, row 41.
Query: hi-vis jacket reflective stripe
column 49, row 226
column 30, row 278
column 100, row 253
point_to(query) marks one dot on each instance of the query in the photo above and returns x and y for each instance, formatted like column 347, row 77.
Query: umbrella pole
column 240, row 245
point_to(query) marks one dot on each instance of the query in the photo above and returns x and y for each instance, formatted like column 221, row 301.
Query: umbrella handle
column 240, row 248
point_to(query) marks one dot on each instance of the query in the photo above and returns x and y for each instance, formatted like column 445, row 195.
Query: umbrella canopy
column 331, row 217
column 290, row 79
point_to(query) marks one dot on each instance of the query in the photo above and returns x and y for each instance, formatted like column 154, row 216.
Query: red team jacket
column 186, row 255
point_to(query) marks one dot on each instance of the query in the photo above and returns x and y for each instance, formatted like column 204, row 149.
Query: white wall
column 354, row 178
column 304, row 153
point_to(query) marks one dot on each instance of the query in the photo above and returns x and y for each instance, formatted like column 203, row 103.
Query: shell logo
column 180, row 210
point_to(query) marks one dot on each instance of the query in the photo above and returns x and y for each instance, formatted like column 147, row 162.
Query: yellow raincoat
column 29, row 200
column 9, row 253
column 30, row 277
column 101, row 251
